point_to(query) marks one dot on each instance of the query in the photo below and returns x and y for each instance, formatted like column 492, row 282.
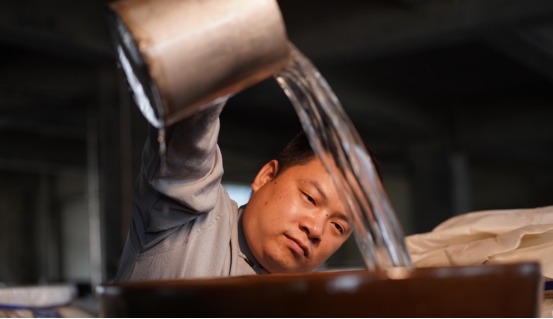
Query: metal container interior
column 184, row 54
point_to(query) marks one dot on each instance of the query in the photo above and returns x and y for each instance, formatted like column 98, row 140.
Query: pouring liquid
column 340, row 149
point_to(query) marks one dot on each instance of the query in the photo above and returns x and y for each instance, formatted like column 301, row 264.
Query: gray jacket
column 184, row 224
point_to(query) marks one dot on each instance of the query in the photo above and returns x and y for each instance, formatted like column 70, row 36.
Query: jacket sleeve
column 167, row 195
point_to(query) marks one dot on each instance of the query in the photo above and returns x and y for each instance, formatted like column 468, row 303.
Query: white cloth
column 547, row 308
column 495, row 236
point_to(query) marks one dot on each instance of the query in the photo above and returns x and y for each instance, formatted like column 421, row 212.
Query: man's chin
column 282, row 267
column 282, row 261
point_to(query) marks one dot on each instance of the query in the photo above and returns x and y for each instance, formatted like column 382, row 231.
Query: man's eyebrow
column 318, row 188
column 344, row 217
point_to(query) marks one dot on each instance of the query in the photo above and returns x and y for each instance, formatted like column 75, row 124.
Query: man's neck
column 243, row 244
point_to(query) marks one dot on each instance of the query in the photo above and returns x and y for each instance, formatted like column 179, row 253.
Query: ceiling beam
column 531, row 47
column 367, row 33
column 70, row 30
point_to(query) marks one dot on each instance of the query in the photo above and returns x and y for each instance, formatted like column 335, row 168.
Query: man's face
column 294, row 221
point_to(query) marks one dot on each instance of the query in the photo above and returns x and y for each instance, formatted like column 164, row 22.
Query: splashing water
column 337, row 144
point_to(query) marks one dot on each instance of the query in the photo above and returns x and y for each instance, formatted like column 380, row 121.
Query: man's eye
column 309, row 198
column 339, row 227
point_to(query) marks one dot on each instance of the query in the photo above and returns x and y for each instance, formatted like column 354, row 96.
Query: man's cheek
column 273, row 255
column 279, row 250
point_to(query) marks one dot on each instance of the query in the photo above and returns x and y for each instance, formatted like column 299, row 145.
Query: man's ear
column 265, row 174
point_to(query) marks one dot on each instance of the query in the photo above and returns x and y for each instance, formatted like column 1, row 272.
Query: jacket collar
column 245, row 251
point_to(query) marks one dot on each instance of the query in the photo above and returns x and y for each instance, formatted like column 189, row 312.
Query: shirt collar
column 245, row 251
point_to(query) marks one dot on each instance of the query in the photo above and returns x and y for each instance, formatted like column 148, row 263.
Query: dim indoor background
column 454, row 98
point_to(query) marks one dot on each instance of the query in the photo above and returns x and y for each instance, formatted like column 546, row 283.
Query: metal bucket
column 180, row 55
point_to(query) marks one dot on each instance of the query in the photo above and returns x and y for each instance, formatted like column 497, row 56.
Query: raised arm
column 189, row 183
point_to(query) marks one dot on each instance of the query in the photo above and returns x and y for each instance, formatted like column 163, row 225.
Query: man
column 186, row 226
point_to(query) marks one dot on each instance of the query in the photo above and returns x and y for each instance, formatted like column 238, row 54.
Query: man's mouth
column 298, row 246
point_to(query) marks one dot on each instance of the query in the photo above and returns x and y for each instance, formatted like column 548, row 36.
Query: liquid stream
column 336, row 143
column 342, row 152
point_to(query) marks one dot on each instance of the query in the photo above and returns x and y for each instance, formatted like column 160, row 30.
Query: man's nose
column 313, row 226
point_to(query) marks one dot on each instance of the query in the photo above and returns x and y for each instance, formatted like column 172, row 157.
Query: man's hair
column 299, row 152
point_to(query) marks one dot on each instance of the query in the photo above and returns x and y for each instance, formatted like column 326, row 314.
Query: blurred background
column 454, row 98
